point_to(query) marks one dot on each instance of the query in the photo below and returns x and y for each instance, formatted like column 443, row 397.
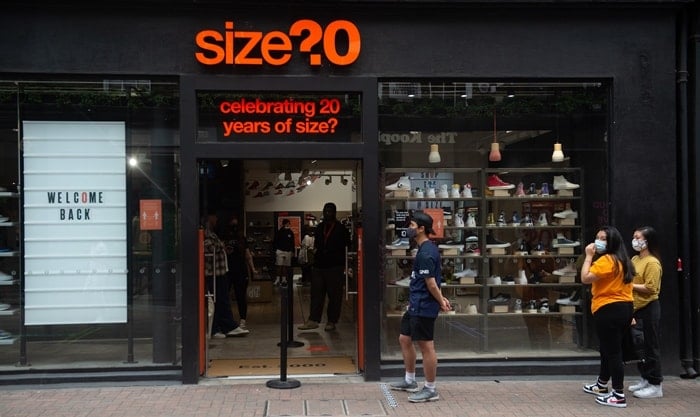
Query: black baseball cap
column 424, row 220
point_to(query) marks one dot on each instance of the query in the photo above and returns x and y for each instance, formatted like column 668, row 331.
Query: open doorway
column 259, row 195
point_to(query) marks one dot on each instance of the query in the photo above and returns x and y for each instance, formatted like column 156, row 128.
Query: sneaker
column 242, row 324
column 329, row 327
column 237, row 332
column 532, row 189
column 424, row 395
column 500, row 298
column 471, row 220
column 459, row 220
column 574, row 300
column 539, row 250
column 418, row 193
column 518, row 306
column 651, row 391
column 523, row 248
column 450, row 244
column 490, row 220
column 560, row 183
column 472, row 249
column 544, row 191
column 562, row 242
column 404, row 282
column 472, row 239
column 466, row 273
column 455, row 191
column 520, row 190
column 493, row 280
column 515, row 219
column 467, row 191
column 430, row 193
column 501, row 222
column 404, row 183
column 521, row 279
column 5, row 277
column 612, row 399
column 643, row 383
column 404, row 386
column 443, row 193
column 471, row 309
column 569, row 269
column 492, row 242
column 544, row 307
column 400, row 243
column 527, row 221
column 566, row 214
column 309, row 325
column 542, row 220
column 532, row 308
column 495, row 183
column 218, row 335
column 595, row 388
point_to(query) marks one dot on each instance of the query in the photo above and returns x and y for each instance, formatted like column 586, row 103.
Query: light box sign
column 74, row 222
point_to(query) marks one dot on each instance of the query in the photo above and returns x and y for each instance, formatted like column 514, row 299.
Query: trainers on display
column 404, row 183
column 544, row 307
column 501, row 222
column 459, row 220
column 560, row 183
column 443, row 193
column 651, row 391
column 424, row 395
column 493, row 280
column 562, row 242
column 492, row 242
column 471, row 309
column 569, row 269
column 518, row 306
column 612, row 399
column 643, row 383
column 527, row 221
column 521, row 279
column 404, row 282
column 237, row 332
column 566, row 214
column 515, row 219
column 542, row 220
column 466, row 273
column 538, row 250
column 490, row 220
column 471, row 220
column 500, row 298
column 532, row 306
column 467, row 191
column 495, row 183
column 418, row 193
column 523, row 248
column 472, row 239
column 596, row 388
column 430, row 193
column 573, row 300
column 400, row 243
column 520, row 190
column 544, row 191
column 455, row 191
column 403, row 385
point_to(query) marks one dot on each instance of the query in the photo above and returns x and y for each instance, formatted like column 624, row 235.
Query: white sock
column 410, row 377
column 430, row 385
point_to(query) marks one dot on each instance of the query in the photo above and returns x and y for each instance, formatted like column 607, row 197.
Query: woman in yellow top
column 647, row 310
column 610, row 277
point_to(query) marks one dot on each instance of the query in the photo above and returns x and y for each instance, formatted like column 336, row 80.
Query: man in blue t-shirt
column 425, row 302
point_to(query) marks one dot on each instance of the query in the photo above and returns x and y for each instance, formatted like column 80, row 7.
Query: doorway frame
column 366, row 151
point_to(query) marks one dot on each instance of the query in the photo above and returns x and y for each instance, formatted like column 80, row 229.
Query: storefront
column 520, row 129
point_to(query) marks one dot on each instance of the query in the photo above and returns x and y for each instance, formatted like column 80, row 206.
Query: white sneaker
column 562, row 242
column 219, row 335
column 471, row 309
column 455, row 191
column 418, row 193
column 643, row 383
column 566, row 214
column 443, row 193
column 542, row 220
column 404, row 183
column 430, row 193
column 242, row 324
column 471, row 221
column 493, row 280
column 652, row 391
column 400, row 243
column 521, row 279
column 560, row 183
column 404, row 282
column 238, row 331
column 466, row 273
column 459, row 220
column 569, row 269
column 467, row 191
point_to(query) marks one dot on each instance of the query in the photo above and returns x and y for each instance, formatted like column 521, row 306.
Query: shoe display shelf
column 260, row 232
column 10, row 266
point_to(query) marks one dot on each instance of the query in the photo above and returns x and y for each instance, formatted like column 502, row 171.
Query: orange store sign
column 338, row 43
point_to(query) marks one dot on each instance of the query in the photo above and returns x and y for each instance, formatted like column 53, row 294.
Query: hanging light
column 329, row 180
column 343, row 180
column 558, row 154
column 434, row 155
column 495, row 154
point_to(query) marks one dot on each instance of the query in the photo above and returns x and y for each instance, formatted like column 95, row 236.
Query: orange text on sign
column 239, row 47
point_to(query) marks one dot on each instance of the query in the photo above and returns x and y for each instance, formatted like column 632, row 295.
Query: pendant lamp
column 495, row 154
column 434, row 155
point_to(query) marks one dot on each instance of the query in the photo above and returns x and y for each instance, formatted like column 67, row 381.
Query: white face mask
column 600, row 246
column 639, row 244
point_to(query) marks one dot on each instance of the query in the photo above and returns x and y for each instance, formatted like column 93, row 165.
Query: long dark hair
column 616, row 249
column 652, row 239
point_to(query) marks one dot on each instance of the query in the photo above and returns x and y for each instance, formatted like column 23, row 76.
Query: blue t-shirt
column 426, row 265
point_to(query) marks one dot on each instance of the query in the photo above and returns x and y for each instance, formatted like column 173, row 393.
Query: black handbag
column 633, row 343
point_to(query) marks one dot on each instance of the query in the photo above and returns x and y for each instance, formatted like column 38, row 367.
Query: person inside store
column 647, row 310
column 241, row 267
column 610, row 277
column 328, row 273
column 215, row 271
column 425, row 303
column 284, row 248
column 306, row 256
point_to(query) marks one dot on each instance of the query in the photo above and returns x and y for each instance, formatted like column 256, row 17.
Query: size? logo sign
column 339, row 43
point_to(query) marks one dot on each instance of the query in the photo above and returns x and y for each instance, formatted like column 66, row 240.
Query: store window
column 89, row 250
column 234, row 117
column 515, row 177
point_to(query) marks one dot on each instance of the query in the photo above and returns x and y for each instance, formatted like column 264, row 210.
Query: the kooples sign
column 339, row 43
column 74, row 203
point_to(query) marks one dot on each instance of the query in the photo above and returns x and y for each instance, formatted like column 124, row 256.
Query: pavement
column 341, row 396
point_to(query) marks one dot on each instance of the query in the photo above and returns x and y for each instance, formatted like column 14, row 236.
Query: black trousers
column 650, row 368
column 223, row 320
column 239, row 282
column 327, row 282
column 611, row 322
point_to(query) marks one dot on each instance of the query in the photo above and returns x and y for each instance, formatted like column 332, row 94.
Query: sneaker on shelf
column 542, row 220
column 596, row 388
column 454, row 193
column 490, row 220
column 532, row 189
column 652, row 391
column 572, row 300
column 404, row 183
column 539, row 250
column 471, row 309
column 521, row 279
column 430, row 193
column 515, row 219
column 523, row 248
column 418, row 193
column 641, row 384
column 532, row 306
column 566, row 214
column 466, row 273
column 495, row 183
column 459, row 220
column 467, row 191
column 443, row 192
column 400, row 243
column 424, row 395
column 544, row 307
column 501, row 222
column 471, row 220
column 492, row 242
column 561, row 183
column 569, row 269
column 518, row 306
column 508, row 280
column 563, row 242
column 414, row 251
column 472, row 239
column 493, row 280
column 500, row 298
column 612, row 399
column 447, row 212
column 403, row 385
column 404, row 282
column 544, row 191
column 451, row 244
column 527, row 220
column 520, row 190
column 472, row 249
column 5, row 277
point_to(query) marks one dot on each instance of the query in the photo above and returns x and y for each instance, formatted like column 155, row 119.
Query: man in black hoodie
column 327, row 279
column 284, row 247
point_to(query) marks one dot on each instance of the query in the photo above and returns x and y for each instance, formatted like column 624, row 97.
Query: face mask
column 639, row 244
column 600, row 246
column 411, row 233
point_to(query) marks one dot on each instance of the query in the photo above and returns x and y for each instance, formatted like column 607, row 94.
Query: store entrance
column 258, row 196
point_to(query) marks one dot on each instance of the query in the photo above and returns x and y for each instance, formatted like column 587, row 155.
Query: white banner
column 74, row 222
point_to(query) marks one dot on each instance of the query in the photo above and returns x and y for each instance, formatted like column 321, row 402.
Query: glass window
column 515, row 178
column 97, row 155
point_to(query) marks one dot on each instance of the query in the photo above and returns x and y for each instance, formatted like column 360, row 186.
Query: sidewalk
column 342, row 396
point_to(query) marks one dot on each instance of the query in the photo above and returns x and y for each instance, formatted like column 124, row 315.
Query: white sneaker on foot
column 651, row 391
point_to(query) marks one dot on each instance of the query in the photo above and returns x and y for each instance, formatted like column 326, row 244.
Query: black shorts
column 419, row 328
